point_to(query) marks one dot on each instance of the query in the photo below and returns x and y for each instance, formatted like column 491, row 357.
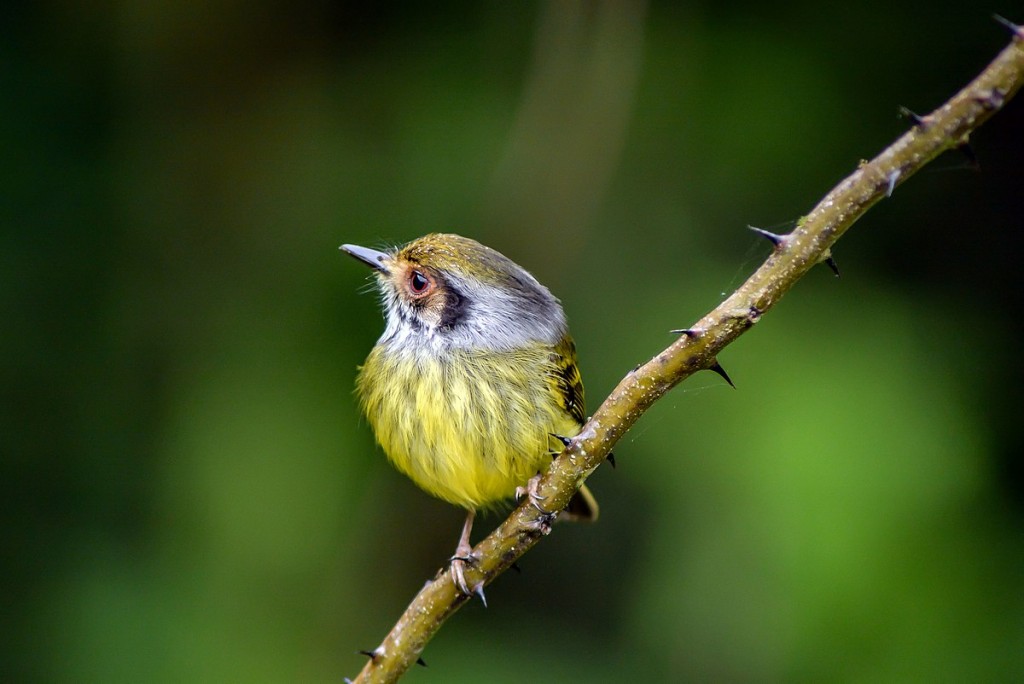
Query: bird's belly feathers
column 468, row 429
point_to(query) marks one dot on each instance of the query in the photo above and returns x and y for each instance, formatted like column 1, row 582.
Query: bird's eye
column 418, row 283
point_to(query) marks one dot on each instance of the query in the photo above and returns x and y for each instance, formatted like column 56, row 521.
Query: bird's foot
column 458, row 564
column 546, row 517
column 530, row 490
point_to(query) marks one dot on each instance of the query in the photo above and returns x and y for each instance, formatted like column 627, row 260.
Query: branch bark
column 794, row 254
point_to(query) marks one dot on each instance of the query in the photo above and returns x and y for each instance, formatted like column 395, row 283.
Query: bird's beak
column 371, row 257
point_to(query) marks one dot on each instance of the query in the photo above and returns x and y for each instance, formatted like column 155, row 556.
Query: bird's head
column 457, row 293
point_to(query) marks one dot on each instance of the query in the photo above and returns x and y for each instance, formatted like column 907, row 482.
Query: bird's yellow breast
column 471, row 426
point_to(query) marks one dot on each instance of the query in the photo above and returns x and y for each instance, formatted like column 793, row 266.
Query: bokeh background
column 189, row 493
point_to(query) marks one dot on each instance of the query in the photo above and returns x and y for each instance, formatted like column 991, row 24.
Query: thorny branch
column 793, row 255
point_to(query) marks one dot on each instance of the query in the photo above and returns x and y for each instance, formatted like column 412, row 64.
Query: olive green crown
column 455, row 254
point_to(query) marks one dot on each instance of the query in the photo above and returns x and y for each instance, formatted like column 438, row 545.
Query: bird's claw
column 458, row 564
column 546, row 517
column 531, row 490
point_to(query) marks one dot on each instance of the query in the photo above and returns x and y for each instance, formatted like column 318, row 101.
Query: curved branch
column 794, row 254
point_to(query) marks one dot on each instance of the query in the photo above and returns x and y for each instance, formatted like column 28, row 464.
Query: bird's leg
column 463, row 556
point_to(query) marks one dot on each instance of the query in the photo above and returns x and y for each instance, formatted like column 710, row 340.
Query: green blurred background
column 189, row 494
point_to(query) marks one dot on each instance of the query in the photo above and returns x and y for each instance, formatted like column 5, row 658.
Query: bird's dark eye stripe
column 456, row 306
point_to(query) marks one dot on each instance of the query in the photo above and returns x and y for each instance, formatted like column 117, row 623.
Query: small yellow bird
column 474, row 381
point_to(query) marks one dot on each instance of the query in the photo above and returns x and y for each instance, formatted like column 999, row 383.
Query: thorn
column 564, row 440
column 831, row 263
column 908, row 113
column 921, row 122
column 965, row 149
column 515, row 566
column 893, row 177
column 1017, row 31
column 421, row 661
column 372, row 655
column 636, row 368
column 611, row 459
column 544, row 519
column 347, row 680
column 479, row 591
column 717, row 368
column 688, row 332
column 776, row 240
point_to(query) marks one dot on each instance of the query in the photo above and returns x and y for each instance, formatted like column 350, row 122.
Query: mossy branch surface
column 793, row 256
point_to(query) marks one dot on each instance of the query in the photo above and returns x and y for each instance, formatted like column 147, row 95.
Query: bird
column 473, row 386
